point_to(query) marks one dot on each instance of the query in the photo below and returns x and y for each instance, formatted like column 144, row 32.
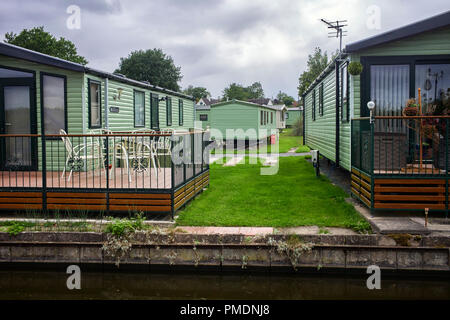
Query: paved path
column 214, row 157
column 253, row 231
column 234, row 161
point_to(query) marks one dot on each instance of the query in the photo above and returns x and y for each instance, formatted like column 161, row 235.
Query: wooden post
column 420, row 131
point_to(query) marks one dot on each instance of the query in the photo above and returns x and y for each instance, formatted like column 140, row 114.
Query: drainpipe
column 106, row 104
column 338, row 118
column 83, row 104
column 304, row 119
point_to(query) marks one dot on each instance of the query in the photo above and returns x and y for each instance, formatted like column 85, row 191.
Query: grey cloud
column 215, row 42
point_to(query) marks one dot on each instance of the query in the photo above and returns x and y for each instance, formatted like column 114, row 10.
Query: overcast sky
column 215, row 42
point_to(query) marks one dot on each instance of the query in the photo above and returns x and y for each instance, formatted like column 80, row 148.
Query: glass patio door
column 17, row 107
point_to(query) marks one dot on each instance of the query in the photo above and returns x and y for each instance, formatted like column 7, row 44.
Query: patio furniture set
column 139, row 150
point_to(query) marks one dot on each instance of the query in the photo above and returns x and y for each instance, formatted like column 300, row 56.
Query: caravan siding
column 233, row 115
column 320, row 133
column 123, row 120
column 293, row 116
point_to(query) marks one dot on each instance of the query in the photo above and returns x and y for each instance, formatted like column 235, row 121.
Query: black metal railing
column 401, row 145
column 106, row 161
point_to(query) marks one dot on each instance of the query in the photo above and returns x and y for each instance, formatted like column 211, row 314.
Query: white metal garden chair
column 78, row 155
column 141, row 152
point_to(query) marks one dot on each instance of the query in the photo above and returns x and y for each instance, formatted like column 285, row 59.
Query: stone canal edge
column 272, row 252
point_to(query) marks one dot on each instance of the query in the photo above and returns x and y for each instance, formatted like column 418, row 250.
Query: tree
column 239, row 92
column 255, row 91
column 152, row 65
column 235, row 91
column 287, row 100
column 196, row 92
column 317, row 62
column 39, row 40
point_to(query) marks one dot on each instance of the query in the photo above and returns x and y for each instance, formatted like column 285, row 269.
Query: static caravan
column 293, row 115
column 79, row 100
column 280, row 115
column 202, row 116
column 396, row 151
column 65, row 125
column 236, row 120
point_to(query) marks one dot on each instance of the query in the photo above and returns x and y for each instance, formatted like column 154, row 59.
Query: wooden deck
column 88, row 179
column 22, row 190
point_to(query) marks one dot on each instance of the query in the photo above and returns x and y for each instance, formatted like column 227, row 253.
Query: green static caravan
column 202, row 116
column 77, row 99
column 393, row 151
column 241, row 118
column 395, row 64
column 293, row 115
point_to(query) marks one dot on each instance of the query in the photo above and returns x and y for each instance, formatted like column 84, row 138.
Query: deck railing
column 401, row 163
column 104, row 163
column 399, row 145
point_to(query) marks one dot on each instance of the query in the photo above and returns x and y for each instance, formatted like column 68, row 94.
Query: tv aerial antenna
column 338, row 30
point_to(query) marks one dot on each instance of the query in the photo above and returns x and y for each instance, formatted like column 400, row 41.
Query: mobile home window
column 271, row 117
column 313, row 105
column 95, row 117
column 54, row 103
column 262, row 117
column 180, row 112
column 203, row 117
column 344, row 94
column 139, row 109
column 169, row 111
column 321, row 99
column 154, row 111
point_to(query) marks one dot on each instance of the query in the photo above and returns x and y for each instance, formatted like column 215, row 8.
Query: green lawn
column 240, row 196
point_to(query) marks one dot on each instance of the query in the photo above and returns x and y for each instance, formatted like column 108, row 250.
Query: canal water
column 51, row 284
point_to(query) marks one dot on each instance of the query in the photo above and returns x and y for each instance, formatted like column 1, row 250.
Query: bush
column 297, row 128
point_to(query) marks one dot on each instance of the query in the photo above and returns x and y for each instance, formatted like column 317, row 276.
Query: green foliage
column 255, row 91
column 120, row 227
column 287, row 100
column 196, row 92
column 361, row 226
column 15, row 228
column 316, row 63
column 355, row 68
column 151, row 65
column 239, row 92
column 39, row 40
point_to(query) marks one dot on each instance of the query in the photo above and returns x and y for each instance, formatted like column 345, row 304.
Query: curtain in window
column 95, row 105
column 139, row 109
column 389, row 88
column 53, row 100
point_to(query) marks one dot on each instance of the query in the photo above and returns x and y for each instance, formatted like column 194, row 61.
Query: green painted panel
column 293, row 117
column 321, row 133
column 200, row 123
column 242, row 115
